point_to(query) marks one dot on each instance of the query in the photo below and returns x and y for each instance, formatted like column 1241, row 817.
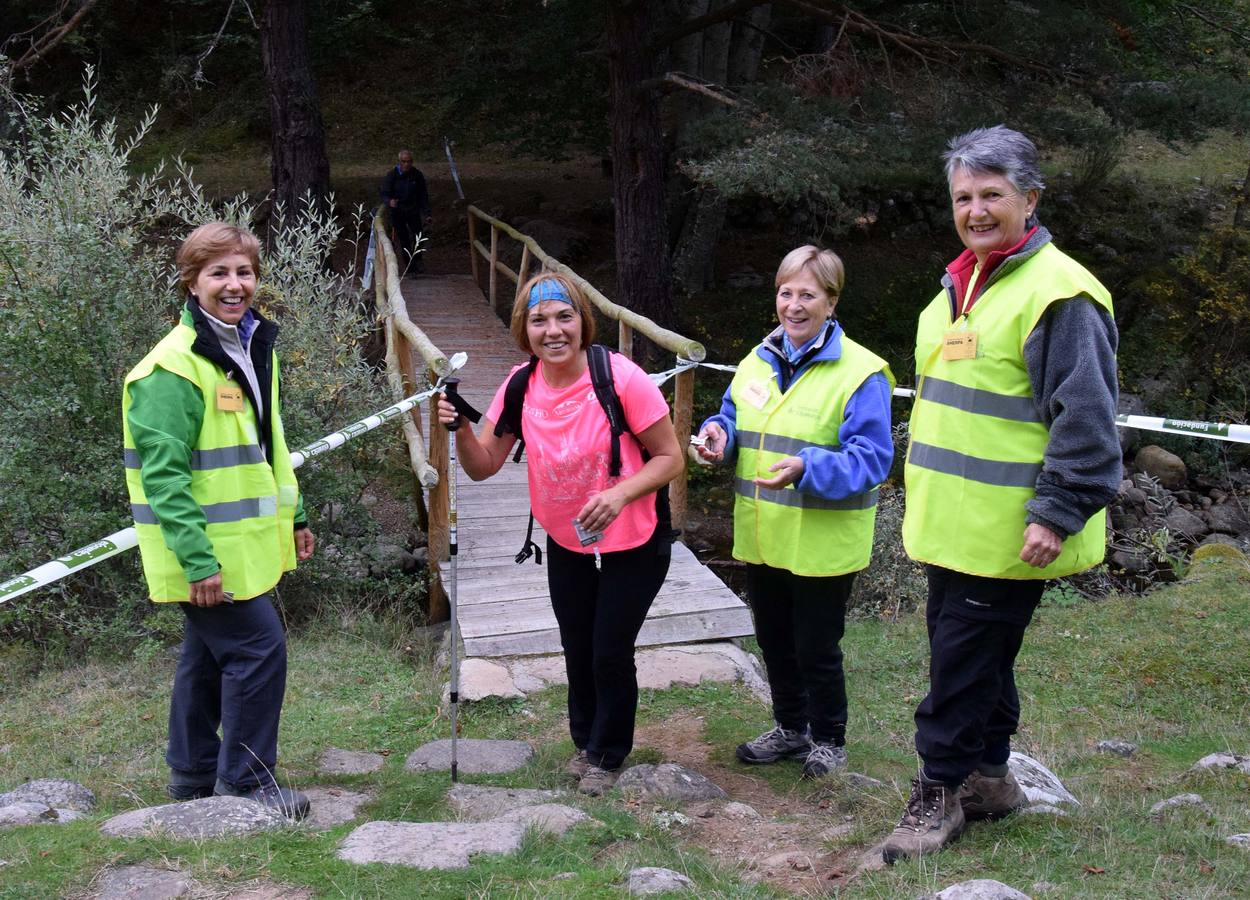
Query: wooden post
column 473, row 249
column 494, row 268
column 625, row 340
column 440, row 539
column 683, row 409
column 523, row 273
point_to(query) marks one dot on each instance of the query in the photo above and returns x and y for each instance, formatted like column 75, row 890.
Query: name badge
column 757, row 394
column 959, row 345
column 229, row 398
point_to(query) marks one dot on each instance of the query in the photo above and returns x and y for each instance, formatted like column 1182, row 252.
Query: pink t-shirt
column 568, row 447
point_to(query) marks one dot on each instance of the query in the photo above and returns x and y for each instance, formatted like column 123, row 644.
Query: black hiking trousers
column 799, row 621
column 976, row 627
column 600, row 614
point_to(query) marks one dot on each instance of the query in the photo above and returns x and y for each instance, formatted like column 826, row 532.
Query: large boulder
column 1187, row 524
column 1167, row 468
column 980, row 889
column 58, row 793
column 1040, row 785
column 1229, row 517
column 654, row 880
column 28, row 812
column 668, row 781
column 197, row 819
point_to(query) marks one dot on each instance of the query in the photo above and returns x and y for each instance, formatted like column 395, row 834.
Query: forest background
column 675, row 149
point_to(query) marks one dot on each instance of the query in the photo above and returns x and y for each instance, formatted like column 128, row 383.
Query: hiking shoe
column 597, row 782
column 578, row 765
column 290, row 803
column 190, row 785
column 986, row 797
column 932, row 820
column 824, row 759
column 779, row 743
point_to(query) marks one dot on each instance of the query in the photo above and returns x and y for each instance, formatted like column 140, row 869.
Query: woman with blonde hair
column 807, row 417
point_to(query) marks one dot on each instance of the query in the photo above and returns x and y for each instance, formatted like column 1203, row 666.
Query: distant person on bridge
column 405, row 193
column 608, row 549
column 807, row 417
column 1012, row 461
column 219, row 519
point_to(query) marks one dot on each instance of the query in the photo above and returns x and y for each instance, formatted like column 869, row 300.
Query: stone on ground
column 1040, row 784
column 1168, row 468
column 1118, row 748
column 862, row 781
column 1180, row 801
column 429, row 845
column 28, row 812
column 143, row 883
column 1042, row 809
column 334, row 761
column 1224, row 760
column 980, row 889
column 473, row 756
column 333, row 806
column 550, row 818
column 668, row 781
column 735, row 810
column 1238, row 840
column 481, row 802
column 269, row 891
column 482, row 678
column 653, row 880
column 197, row 819
column 55, row 792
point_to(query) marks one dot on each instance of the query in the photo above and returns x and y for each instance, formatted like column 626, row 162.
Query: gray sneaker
column 933, row 818
column 779, row 743
column 824, row 759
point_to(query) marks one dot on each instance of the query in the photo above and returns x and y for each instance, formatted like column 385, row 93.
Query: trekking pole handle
column 449, row 387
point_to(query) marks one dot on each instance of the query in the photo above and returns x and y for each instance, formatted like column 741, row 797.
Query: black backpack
column 600, row 362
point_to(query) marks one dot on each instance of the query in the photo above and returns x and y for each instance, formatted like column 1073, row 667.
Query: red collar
column 961, row 269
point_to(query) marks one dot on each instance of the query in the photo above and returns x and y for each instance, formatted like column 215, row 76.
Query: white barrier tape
column 126, row 539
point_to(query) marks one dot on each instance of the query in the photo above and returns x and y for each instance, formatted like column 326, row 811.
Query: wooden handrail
column 433, row 357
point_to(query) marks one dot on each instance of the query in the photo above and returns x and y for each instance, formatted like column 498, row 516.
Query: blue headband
column 548, row 289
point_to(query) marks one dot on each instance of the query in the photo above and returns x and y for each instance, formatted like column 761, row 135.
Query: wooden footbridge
column 503, row 607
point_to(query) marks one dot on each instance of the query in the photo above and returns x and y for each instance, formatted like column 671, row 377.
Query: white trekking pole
column 449, row 387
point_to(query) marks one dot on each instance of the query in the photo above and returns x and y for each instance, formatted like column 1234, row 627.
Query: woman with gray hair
column 1012, row 461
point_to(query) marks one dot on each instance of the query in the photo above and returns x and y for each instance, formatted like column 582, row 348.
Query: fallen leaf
column 1148, row 679
column 1206, row 868
column 147, row 717
column 1200, row 615
column 1093, row 870
column 837, row 873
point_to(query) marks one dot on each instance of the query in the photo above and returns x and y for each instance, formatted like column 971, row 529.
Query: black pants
column 231, row 674
column 976, row 626
column 600, row 614
column 799, row 621
column 408, row 225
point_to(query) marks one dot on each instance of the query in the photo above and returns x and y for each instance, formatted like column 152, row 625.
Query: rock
column 551, row 818
column 667, row 781
column 1131, row 562
column 429, row 845
column 473, row 756
column 1216, row 544
column 1178, row 802
column 480, row 678
column 1223, row 760
column 980, row 889
column 1188, row 524
column 861, row 781
column 385, row 556
column 1238, row 840
column 668, row 819
column 269, row 891
column 197, row 819
column 30, row 812
column 1119, row 748
column 332, row 806
column 736, row 810
column 1228, row 518
column 1167, row 468
column 334, row 761
column 480, row 802
column 142, row 883
column 1045, row 887
column 1129, row 405
column 652, row 880
column 55, row 792
column 1039, row 783
column 1042, row 809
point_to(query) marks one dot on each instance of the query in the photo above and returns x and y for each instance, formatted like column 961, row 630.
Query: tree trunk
column 696, row 248
column 642, row 265
column 297, row 137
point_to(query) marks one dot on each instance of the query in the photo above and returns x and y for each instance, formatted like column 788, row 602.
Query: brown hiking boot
column 597, row 782
column 986, row 797
column 578, row 765
column 932, row 820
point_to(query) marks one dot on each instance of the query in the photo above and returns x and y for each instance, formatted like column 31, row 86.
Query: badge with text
column 757, row 394
column 959, row 345
column 229, row 398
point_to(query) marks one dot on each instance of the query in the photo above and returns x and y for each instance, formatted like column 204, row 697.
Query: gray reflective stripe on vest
column 974, row 468
column 775, row 443
column 216, row 513
column 973, row 400
column 220, row 458
column 784, row 497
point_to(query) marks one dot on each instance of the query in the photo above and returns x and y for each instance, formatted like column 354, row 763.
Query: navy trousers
column 231, row 675
column 976, row 627
column 600, row 614
column 799, row 622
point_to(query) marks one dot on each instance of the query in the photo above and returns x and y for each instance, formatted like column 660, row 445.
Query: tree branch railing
column 628, row 321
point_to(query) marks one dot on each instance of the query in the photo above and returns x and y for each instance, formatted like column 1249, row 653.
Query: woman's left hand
column 602, row 509
column 789, row 470
column 304, row 543
column 1041, row 546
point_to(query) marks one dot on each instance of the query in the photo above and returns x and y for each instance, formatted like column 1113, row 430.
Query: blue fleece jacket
column 867, row 449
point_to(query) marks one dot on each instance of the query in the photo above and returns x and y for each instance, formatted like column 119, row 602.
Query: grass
column 1168, row 671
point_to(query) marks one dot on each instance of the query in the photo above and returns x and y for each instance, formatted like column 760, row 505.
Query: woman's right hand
column 446, row 412
column 207, row 592
column 714, row 441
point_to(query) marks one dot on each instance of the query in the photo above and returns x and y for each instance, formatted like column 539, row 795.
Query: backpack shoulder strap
column 600, row 360
column 513, row 399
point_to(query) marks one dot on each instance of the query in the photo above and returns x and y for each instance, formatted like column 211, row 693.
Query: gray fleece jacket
column 1070, row 358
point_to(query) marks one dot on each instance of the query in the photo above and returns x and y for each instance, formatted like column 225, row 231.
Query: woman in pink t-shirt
column 601, row 587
